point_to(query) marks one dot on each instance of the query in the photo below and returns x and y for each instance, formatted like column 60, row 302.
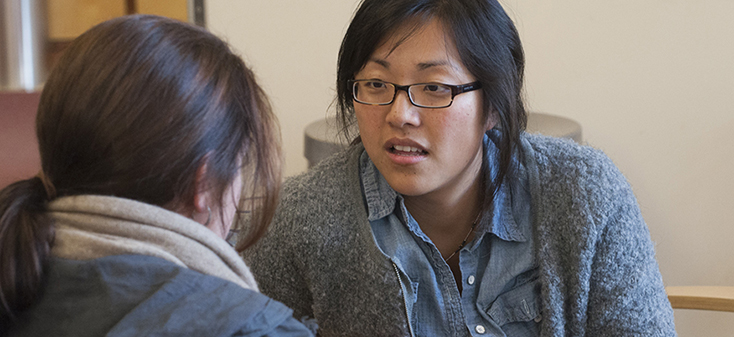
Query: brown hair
column 134, row 107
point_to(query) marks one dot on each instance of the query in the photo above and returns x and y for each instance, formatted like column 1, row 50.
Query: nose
column 402, row 112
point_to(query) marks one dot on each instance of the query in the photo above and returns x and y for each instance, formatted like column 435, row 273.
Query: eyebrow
column 426, row 65
column 381, row 62
column 420, row 66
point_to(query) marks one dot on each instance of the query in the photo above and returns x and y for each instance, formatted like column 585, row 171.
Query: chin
column 406, row 181
column 412, row 188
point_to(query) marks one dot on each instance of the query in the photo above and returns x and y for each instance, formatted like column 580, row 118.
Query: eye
column 374, row 84
column 436, row 89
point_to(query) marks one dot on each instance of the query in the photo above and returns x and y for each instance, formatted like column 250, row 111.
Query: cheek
column 368, row 124
column 233, row 197
column 457, row 122
column 475, row 115
column 237, row 190
column 361, row 115
column 461, row 128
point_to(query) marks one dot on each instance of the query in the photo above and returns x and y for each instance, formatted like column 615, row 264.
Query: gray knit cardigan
column 597, row 266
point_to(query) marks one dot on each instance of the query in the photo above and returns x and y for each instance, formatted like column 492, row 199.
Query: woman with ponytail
column 153, row 138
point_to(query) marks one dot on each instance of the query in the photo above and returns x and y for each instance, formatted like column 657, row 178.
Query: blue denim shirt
column 500, row 294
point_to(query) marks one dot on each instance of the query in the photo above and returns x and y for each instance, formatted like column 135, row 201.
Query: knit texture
column 597, row 264
column 93, row 226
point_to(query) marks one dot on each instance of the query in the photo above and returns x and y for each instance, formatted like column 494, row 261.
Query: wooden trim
column 130, row 7
column 702, row 298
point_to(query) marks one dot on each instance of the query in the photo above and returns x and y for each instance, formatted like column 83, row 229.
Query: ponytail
column 26, row 236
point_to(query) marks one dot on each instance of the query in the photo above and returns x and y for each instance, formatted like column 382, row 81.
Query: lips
column 405, row 147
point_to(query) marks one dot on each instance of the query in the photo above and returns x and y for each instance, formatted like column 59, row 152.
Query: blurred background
column 33, row 34
column 650, row 81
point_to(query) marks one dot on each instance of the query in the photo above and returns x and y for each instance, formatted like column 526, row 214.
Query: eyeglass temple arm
column 458, row 89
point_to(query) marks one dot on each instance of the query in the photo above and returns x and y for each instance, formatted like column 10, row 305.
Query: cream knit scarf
column 90, row 227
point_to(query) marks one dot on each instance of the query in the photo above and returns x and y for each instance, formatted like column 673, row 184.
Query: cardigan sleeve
column 596, row 258
column 626, row 292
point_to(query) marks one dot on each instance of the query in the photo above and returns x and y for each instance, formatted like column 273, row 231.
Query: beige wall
column 68, row 19
column 286, row 42
column 651, row 82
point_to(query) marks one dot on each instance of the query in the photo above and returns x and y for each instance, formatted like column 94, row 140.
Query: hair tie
column 47, row 185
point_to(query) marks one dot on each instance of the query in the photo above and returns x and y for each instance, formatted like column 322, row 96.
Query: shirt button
column 470, row 279
column 480, row 329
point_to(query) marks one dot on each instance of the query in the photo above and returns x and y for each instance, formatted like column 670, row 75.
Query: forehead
column 418, row 41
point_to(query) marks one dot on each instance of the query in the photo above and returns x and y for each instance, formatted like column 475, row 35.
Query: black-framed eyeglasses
column 424, row 95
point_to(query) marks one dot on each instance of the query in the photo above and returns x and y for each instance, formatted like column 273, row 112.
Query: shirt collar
column 378, row 194
column 381, row 199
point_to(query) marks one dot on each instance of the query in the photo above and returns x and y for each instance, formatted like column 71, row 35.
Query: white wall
column 288, row 42
column 650, row 81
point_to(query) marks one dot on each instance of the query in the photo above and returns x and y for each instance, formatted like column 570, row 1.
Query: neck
column 452, row 208
column 446, row 216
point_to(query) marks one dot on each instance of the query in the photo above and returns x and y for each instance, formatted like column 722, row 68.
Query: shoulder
column 561, row 154
column 328, row 176
column 128, row 295
column 330, row 188
column 319, row 210
column 564, row 164
column 581, row 185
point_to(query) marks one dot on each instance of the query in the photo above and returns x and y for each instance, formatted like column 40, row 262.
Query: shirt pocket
column 518, row 305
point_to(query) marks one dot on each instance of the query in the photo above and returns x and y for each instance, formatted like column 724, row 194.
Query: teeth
column 406, row 148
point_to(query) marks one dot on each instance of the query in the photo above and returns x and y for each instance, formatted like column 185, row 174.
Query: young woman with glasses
column 444, row 218
column 150, row 132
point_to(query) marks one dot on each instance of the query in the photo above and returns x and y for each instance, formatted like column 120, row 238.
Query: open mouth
column 406, row 150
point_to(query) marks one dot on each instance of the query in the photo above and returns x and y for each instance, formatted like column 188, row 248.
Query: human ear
column 202, row 199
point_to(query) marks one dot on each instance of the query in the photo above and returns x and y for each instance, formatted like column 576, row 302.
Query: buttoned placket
column 449, row 290
column 468, row 263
